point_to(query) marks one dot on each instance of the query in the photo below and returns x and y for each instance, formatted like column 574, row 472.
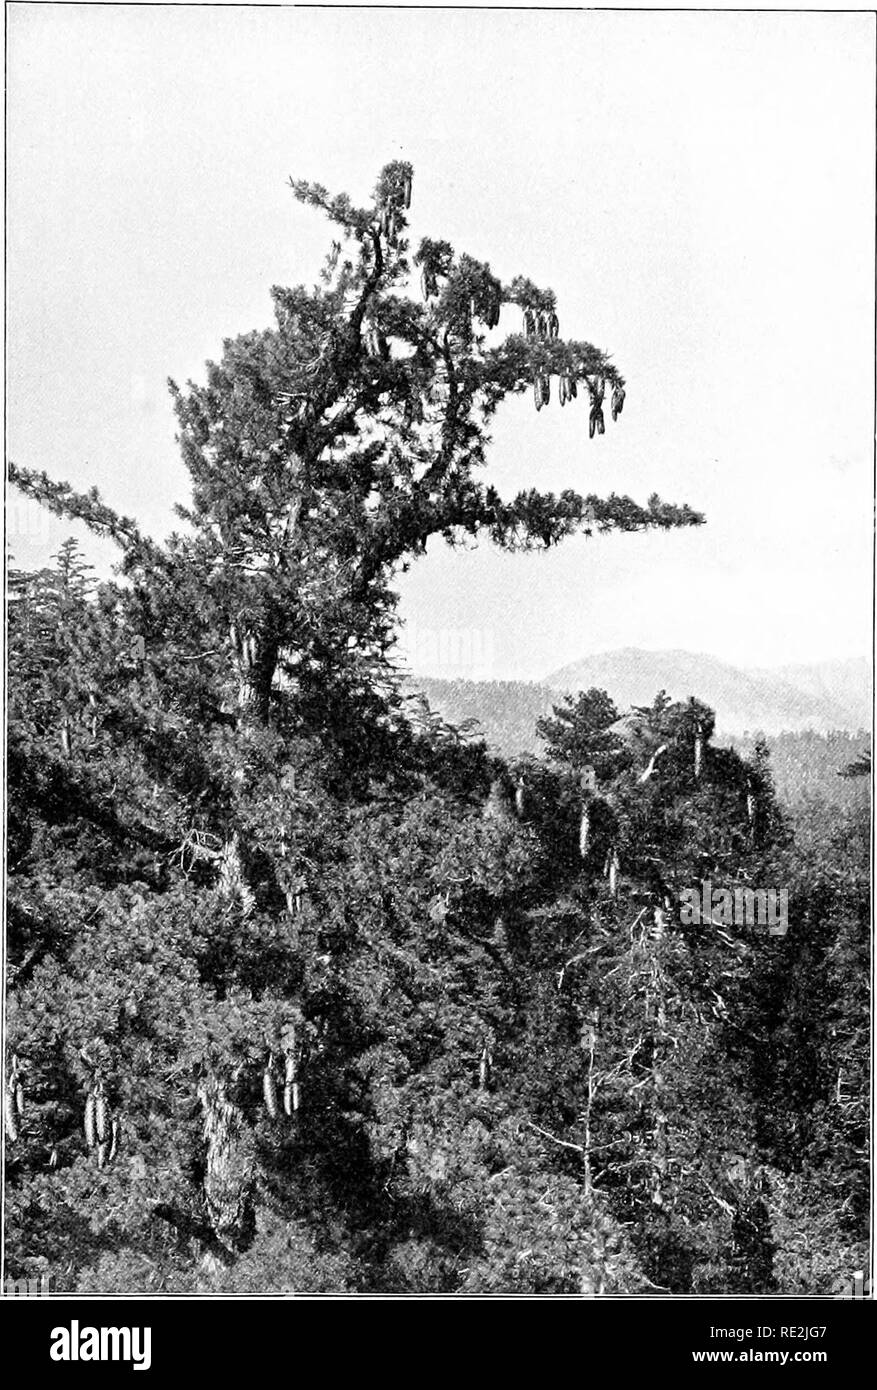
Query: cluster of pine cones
column 538, row 324
column 488, row 302
column 291, row 1086
column 100, row 1125
column 390, row 213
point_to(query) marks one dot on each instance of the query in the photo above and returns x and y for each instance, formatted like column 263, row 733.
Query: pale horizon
column 455, row 670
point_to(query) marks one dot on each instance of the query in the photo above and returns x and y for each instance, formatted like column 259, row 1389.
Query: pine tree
column 234, row 850
column 325, row 452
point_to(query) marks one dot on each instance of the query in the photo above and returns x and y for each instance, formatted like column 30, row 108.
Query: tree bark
column 256, row 664
column 228, row 1176
column 589, row 1038
column 660, row 1154
column 232, row 879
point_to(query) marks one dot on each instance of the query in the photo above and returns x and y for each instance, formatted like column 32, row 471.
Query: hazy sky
column 697, row 188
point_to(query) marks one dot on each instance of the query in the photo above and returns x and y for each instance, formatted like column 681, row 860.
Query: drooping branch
column 87, row 507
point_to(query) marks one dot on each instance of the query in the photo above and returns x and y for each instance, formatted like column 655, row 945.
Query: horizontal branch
column 533, row 517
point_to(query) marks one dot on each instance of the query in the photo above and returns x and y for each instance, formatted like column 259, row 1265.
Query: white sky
column 697, row 188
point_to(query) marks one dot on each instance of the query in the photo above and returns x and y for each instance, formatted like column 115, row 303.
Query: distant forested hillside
column 506, row 711
column 805, row 763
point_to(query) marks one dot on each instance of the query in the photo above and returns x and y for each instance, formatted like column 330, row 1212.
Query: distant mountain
column 828, row 695
column 845, row 684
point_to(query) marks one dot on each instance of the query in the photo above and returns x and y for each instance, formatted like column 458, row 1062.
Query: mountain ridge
column 818, row 695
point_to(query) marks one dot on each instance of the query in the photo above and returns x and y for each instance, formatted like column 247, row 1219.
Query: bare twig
column 564, row 1143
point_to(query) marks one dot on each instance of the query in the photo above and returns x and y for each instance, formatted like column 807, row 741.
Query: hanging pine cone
column 584, row 832
column 88, row 1121
column 553, row 325
column 102, row 1128
column 485, row 1066
column 10, row 1117
column 617, row 401
column 291, row 1090
column 614, row 867
column 269, row 1091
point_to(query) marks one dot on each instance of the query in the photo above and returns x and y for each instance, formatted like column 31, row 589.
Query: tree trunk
column 589, row 1038
column 660, row 1155
column 256, row 664
column 232, row 880
column 499, row 805
column 228, row 1176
